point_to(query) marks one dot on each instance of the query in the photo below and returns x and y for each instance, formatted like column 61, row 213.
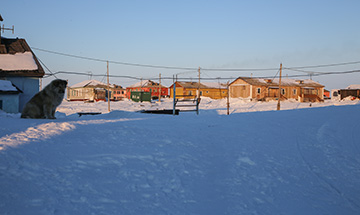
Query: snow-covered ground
column 300, row 160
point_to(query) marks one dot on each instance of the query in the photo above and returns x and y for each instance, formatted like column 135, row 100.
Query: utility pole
column 174, row 94
column 198, row 95
column 228, row 99
column 198, row 90
column 159, row 87
column 108, row 85
column 278, row 104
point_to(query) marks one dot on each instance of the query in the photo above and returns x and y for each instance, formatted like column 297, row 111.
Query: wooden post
column 174, row 94
column 228, row 99
column 108, row 85
column 160, row 88
column 278, row 104
column 198, row 95
column 198, row 90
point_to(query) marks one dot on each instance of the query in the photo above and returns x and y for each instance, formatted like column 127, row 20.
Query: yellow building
column 189, row 90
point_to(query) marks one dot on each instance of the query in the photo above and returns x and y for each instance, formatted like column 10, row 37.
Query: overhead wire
column 154, row 66
column 193, row 69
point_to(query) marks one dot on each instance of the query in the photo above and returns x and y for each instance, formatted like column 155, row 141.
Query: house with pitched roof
column 88, row 90
column 93, row 90
column 263, row 89
column 20, row 66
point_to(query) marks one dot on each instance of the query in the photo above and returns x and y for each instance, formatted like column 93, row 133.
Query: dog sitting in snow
column 45, row 102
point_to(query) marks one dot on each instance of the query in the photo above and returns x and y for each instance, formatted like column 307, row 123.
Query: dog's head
column 59, row 85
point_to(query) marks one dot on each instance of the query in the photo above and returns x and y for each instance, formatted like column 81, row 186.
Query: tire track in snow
column 321, row 179
column 46, row 131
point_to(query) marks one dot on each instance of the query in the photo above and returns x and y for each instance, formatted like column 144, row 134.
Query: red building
column 148, row 86
column 117, row 93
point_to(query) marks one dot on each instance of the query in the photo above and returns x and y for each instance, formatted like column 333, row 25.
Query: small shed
column 140, row 96
column 352, row 90
column 9, row 97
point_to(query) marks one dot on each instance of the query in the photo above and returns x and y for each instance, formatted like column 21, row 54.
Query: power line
column 115, row 62
column 156, row 66
column 324, row 65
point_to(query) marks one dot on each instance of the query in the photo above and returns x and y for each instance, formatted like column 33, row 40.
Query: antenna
column 3, row 28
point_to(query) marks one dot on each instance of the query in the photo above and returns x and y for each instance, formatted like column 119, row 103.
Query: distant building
column 117, row 93
column 350, row 91
column 263, row 89
column 148, row 86
column 326, row 94
column 93, row 90
column 19, row 65
column 207, row 89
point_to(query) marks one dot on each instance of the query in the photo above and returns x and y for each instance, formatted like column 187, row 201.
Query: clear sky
column 191, row 34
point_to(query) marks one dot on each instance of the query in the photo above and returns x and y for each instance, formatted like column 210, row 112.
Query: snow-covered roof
column 353, row 87
column 89, row 83
column 18, row 61
column 92, row 83
column 216, row 85
column 203, row 85
column 6, row 86
column 284, row 82
column 145, row 83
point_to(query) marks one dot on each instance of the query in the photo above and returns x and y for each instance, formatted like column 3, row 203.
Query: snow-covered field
column 300, row 160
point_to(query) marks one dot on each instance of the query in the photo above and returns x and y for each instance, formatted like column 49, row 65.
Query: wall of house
column 29, row 87
column 80, row 94
column 240, row 89
column 214, row 93
column 9, row 103
column 179, row 92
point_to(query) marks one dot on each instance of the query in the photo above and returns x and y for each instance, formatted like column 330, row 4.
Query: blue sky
column 206, row 34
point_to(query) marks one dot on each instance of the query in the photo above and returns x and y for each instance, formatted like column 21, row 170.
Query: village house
column 350, row 91
column 148, row 86
column 93, row 90
column 189, row 90
column 268, row 89
column 19, row 65
column 118, row 93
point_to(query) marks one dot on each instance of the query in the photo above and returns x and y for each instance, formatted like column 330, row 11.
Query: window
column 258, row 90
column 335, row 93
column 294, row 91
column 201, row 93
column 207, row 92
column 190, row 93
column 283, row 91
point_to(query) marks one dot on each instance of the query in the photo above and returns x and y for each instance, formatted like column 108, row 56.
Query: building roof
column 203, row 85
column 146, row 83
column 353, row 87
column 90, row 83
column 7, row 87
column 275, row 82
column 17, row 59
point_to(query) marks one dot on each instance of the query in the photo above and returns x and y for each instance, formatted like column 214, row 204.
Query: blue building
column 9, row 97
column 19, row 65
